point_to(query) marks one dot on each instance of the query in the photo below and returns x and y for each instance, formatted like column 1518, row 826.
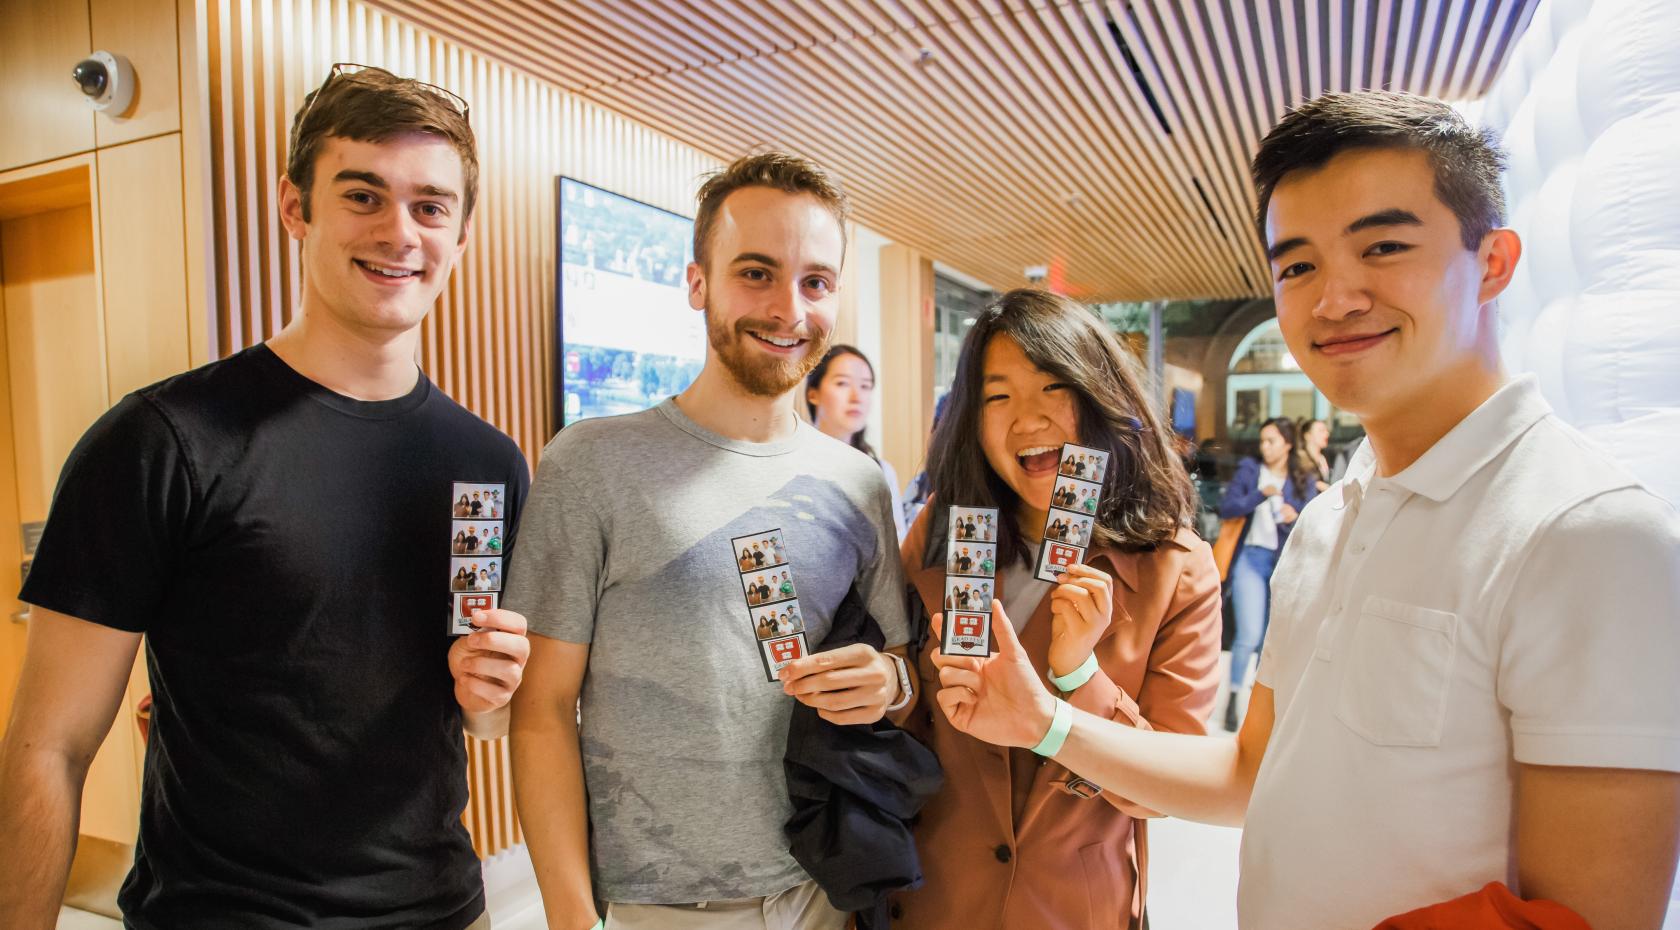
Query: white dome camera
column 107, row 81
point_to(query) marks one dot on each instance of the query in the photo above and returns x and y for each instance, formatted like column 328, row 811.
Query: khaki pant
column 802, row 907
column 482, row 923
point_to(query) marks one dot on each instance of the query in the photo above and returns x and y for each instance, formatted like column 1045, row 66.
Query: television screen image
column 628, row 338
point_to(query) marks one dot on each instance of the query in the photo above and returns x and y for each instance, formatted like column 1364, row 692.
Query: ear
column 466, row 230
column 1500, row 251
column 291, row 209
column 696, row 286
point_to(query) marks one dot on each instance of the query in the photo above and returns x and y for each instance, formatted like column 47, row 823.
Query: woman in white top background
column 1270, row 491
column 839, row 393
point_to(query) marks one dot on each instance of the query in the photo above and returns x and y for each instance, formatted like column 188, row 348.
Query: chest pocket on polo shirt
column 1399, row 662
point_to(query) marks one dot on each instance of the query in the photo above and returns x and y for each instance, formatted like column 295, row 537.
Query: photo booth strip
column 773, row 614
column 1074, row 504
column 970, row 581
column 485, row 523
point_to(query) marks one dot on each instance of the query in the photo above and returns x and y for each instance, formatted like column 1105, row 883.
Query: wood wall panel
column 143, row 31
column 489, row 342
column 143, row 262
column 41, row 40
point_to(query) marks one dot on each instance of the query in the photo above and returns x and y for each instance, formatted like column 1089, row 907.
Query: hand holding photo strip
column 766, row 579
column 475, row 548
column 970, row 567
column 1073, row 510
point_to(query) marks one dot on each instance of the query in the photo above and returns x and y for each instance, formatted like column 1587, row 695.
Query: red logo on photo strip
column 1062, row 556
column 472, row 602
column 785, row 650
column 967, row 625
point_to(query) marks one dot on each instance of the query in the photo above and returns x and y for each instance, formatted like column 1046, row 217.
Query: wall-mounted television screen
column 627, row 337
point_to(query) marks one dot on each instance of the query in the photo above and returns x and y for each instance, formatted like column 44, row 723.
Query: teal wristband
column 1074, row 679
column 1060, row 724
column 599, row 925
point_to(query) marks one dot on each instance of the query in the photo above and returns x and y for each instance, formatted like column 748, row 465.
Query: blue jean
column 1251, row 600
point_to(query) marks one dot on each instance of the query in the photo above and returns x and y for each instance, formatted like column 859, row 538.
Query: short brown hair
column 373, row 105
column 1467, row 161
column 1147, row 496
column 783, row 171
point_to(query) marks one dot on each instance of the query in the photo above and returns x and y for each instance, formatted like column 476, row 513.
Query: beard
column 763, row 376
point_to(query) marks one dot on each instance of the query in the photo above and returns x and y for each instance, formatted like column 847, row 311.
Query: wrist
column 1065, row 659
column 898, row 673
column 1039, row 719
column 1076, row 679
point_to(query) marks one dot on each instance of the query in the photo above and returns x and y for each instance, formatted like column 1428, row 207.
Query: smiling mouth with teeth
column 782, row 342
column 388, row 271
column 1039, row 458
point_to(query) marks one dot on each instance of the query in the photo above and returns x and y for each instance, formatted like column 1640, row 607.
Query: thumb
column 1003, row 633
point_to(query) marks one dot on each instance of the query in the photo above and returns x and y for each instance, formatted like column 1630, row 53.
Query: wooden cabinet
column 45, row 115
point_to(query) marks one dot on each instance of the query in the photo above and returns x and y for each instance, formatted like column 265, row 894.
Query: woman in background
column 1270, row 491
column 838, row 395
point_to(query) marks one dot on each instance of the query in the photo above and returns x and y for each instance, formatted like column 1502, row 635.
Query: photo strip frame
column 766, row 580
column 476, row 523
column 970, row 581
column 1075, row 502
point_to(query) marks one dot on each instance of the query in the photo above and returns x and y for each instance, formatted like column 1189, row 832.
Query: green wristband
column 1060, row 724
column 599, row 925
column 1074, row 679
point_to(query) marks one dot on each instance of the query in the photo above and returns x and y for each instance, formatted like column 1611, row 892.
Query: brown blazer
column 1005, row 845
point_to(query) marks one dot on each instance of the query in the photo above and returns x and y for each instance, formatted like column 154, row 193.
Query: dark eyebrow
column 757, row 258
column 366, row 177
column 374, row 180
column 1287, row 245
column 1393, row 216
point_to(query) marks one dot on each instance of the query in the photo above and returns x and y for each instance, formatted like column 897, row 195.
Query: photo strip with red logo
column 766, row 579
column 1073, row 510
column 970, row 581
column 475, row 547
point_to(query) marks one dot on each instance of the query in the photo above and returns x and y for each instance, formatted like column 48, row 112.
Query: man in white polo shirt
column 1469, row 676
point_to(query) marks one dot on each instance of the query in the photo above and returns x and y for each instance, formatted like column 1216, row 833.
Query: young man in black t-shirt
column 305, row 765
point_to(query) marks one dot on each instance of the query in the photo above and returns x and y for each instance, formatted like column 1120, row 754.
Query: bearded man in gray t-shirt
column 630, row 580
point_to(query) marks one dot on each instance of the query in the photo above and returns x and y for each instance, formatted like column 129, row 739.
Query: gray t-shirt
column 625, row 544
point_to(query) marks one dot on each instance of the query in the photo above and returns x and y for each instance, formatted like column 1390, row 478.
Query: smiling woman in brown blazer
column 1012, row 840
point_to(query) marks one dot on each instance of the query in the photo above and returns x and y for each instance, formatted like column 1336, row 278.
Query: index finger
column 844, row 657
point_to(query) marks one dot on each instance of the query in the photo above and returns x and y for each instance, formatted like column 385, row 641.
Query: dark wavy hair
column 1147, row 495
column 813, row 381
column 1302, row 470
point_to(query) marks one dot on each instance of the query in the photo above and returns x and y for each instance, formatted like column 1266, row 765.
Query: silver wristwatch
column 903, row 682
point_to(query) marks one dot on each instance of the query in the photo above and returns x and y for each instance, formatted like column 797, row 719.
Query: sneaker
column 1231, row 712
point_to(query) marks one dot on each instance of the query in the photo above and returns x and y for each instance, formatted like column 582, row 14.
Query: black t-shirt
column 285, row 550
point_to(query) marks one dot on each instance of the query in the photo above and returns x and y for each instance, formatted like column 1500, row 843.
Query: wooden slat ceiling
column 1107, row 140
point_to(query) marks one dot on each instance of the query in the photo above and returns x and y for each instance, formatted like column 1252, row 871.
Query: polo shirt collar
column 1477, row 439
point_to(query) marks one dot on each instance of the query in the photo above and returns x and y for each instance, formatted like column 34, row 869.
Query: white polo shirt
column 1513, row 596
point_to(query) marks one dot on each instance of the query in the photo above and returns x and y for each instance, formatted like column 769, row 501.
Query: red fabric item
column 1492, row 908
